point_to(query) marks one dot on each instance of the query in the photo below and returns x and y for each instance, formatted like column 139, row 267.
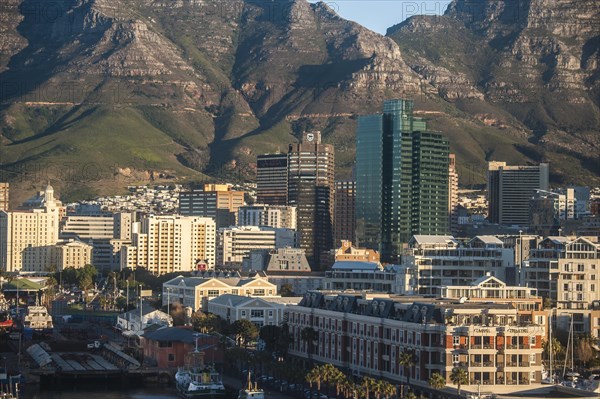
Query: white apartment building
column 366, row 336
column 567, row 271
column 435, row 261
column 166, row 244
column 195, row 292
column 236, row 243
column 267, row 311
column 72, row 253
column 278, row 216
column 27, row 237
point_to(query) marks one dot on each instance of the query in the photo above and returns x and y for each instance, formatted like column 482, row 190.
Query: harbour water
column 146, row 393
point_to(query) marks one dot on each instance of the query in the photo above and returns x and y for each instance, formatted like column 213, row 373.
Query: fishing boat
column 251, row 392
column 197, row 380
column 6, row 320
column 38, row 319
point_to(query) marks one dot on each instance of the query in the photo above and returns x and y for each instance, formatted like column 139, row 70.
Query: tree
column 459, row 377
column 206, row 322
column 584, row 350
column 121, row 303
column 245, row 331
column 437, row 381
column 557, row 350
column 314, row 376
column 407, row 361
column 286, row 290
column 369, row 385
column 309, row 335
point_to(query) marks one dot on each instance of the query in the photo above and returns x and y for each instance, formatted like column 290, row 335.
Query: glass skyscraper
column 401, row 179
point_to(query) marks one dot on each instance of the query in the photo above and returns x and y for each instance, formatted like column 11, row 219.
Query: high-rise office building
column 310, row 189
column 344, row 220
column 510, row 189
column 452, row 194
column 217, row 201
column 4, row 191
column 401, row 179
column 277, row 216
column 272, row 179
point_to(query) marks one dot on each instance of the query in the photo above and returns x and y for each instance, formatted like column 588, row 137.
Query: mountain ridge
column 189, row 88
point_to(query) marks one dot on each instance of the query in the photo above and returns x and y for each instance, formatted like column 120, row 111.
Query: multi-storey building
column 436, row 261
column 4, row 196
column 195, row 292
column 278, row 216
column 167, row 244
column 217, row 201
column 286, row 260
column 362, row 276
column 567, row 272
column 346, row 252
column 344, row 219
column 265, row 311
column 235, row 243
column 311, row 170
column 27, row 237
column 272, row 179
column 452, row 194
column 72, row 253
column 401, row 179
column 367, row 336
column 510, row 189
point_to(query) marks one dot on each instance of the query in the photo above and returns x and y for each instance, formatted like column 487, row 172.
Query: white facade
column 167, row 244
column 235, row 243
column 260, row 311
column 72, row 253
column 436, row 261
column 27, row 237
column 195, row 292
column 130, row 321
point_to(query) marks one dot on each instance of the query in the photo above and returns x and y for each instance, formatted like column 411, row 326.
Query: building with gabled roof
column 130, row 321
column 195, row 292
column 260, row 311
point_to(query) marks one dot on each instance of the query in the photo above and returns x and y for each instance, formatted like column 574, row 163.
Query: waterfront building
column 366, row 334
column 272, row 179
column 266, row 311
column 167, row 348
column 401, row 179
column 130, row 321
column 195, row 292
column 311, row 168
column 510, row 189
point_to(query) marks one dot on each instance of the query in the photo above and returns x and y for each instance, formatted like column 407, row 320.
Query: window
column 532, row 340
column 243, row 313
column 455, row 358
column 212, row 293
column 171, row 357
column 259, row 292
column 257, row 313
column 270, row 313
column 456, row 340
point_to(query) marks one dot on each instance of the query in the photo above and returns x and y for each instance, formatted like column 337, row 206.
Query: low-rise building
column 362, row 276
column 267, row 311
column 195, row 292
column 292, row 260
column 236, row 243
column 168, row 347
column 130, row 321
column 366, row 336
column 349, row 253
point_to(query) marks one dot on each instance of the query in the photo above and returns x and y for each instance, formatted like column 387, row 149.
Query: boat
column 251, row 392
column 6, row 320
column 38, row 319
column 197, row 380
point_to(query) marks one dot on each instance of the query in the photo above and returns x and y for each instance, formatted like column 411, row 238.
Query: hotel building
column 366, row 336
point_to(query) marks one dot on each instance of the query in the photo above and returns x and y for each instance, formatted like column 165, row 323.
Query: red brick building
column 167, row 347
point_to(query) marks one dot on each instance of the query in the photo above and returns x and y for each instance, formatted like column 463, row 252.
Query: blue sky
column 378, row 15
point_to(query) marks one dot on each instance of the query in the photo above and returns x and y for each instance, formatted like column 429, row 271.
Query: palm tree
column 407, row 361
column 369, row 385
column 309, row 335
column 386, row 389
column 315, row 376
column 459, row 376
column 436, row 381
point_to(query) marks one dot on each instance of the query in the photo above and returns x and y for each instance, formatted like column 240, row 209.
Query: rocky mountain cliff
column 172, row 90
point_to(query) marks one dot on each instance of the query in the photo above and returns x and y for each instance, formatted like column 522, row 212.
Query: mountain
column 98, row 94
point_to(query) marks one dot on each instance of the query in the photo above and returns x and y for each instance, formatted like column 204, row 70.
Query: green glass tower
column 401, row 179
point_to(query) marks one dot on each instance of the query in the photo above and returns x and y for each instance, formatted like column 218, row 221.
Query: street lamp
column 168, row 301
